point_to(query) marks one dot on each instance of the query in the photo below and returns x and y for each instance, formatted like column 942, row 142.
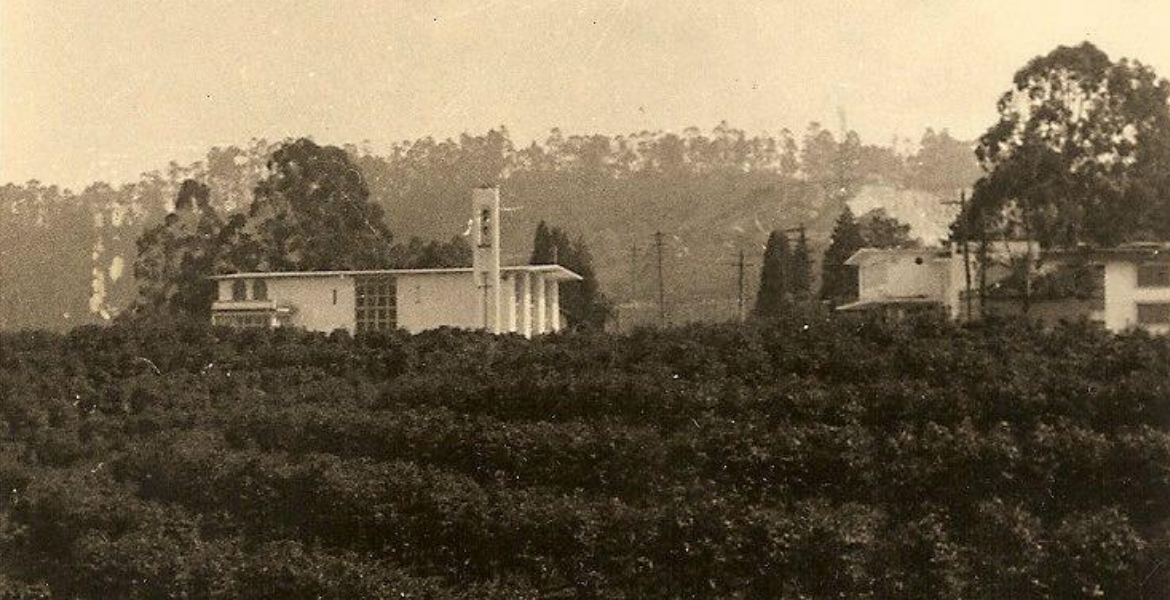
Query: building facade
column 1137, row 287
column 523, row 299
column 1133, row 283
column 901, row 280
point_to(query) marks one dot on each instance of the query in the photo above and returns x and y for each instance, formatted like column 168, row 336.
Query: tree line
column 610, row 190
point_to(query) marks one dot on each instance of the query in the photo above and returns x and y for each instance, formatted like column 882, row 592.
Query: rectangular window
column 1153, row 314
column 375, row 304
column 242, row 320
column 1153, row 275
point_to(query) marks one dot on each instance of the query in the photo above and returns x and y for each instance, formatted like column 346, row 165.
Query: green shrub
column 806, row 458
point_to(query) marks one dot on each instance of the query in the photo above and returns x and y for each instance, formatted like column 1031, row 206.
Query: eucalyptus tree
column 1079, row 150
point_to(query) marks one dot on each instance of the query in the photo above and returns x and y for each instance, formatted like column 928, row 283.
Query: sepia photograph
column 599, row 299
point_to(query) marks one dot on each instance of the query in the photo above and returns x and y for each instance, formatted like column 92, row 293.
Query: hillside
column 710, row 195
column 811, row 459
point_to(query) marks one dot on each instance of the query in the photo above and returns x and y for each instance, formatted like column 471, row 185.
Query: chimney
column 485, row 263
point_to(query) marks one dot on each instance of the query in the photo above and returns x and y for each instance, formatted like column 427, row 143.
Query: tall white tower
column 485, row 262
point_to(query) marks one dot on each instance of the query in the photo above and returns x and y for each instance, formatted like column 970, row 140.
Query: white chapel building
column 522, row 299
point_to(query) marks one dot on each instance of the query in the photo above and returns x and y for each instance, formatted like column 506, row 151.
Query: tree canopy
column 313, row 212
column 879, row 230
column 1079, row 152
column 176, row 256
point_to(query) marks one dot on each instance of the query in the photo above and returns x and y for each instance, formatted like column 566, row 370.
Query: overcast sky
column 106, row 90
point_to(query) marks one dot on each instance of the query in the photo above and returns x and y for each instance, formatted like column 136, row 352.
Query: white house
column 524, row 299
column 901, row 280
column 907, row 279
column 1137, row 286
column 1134, row 278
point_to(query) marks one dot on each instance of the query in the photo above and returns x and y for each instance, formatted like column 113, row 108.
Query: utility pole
column 633, row 272
column 964, row 239
column 661, row 288
column 741, row 266
column 983, row 260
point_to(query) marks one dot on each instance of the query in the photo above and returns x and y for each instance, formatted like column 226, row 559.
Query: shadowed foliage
column 798, row 457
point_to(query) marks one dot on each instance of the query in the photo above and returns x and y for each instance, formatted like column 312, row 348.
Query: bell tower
column 485, row 263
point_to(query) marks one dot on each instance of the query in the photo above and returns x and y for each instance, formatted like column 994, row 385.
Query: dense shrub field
column 799, row 459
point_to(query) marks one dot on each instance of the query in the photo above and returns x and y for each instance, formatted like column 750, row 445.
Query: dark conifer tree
column 542, row 245
column 775, row 286
column 800, row 273
column 581, row 301
column 838, row 280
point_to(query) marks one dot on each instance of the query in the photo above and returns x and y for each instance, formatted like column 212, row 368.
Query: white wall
column 1122, row 296
column 427, row 301
column 310, row 298
column 312, row 301
column 900, row 275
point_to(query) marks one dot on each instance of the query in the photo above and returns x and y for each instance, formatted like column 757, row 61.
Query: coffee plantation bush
column 795, row 459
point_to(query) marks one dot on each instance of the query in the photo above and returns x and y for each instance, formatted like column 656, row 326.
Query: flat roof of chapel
column 557, row 272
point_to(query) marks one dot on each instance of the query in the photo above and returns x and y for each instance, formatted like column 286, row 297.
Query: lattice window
column 375, row 304
column 1153, row 275
column 242, row 319
column 1153, row 314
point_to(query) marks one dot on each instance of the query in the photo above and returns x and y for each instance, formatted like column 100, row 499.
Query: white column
column 541, row 305
column 554, row 304
column 510, row 298
column 526, row 305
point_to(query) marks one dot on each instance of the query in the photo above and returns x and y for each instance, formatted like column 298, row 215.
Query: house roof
column 1133, row 251
column 866, row 255
column 555, row 272
column 890, row 301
